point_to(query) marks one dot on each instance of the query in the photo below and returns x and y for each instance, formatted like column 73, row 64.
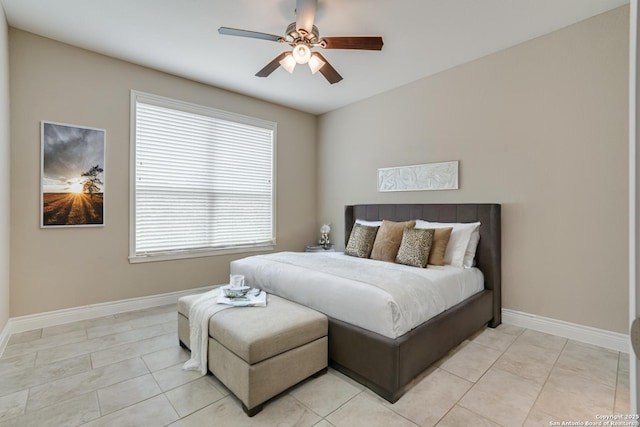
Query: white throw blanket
column 199, row 314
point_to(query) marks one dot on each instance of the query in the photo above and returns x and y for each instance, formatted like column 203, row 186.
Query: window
column 202, row 180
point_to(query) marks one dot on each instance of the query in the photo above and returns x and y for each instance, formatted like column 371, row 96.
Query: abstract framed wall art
column 430, row 176
column 72, row 186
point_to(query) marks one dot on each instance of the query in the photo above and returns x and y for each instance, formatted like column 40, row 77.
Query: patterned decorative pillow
column 385, row 247
column 361, row 241
column 415, row 247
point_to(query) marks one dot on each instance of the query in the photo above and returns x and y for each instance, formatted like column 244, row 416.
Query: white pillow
column 463, row 242
column 470, row 254
column 369, row 223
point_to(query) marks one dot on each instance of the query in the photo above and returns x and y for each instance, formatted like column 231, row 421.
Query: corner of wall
column 5, row 193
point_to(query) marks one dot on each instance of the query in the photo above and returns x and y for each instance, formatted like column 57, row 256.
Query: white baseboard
column 59, row 317
column 607, row 339
column 5, row 334
column 600, row 337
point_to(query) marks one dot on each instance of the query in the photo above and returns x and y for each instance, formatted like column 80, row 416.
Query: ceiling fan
column 303, row 36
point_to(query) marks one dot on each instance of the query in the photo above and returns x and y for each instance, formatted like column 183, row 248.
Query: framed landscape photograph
column 72, row 178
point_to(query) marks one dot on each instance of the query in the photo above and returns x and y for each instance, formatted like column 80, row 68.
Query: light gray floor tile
column 79, row 325
column 30, row 377
column 459, row 416
column 42, row 344
column 100, row 321
column 345, row 378
column 546, row 341
column 325, row 393
column 568, row 396
column 623, row 398
column 153, row 412
column 495, row 338
column 13, row 404
column 166, row 358
column 127, row 393
column 138, row 314
column 542, row 340
column 363, row 410
column 134, row 349
column 206, row 416
column 110, row 329
column 502, row 397
column 595, row 363
column 65, row 328
column 70, row 413
column 27, row 336
column 284, row 411
column 623, row 363
column 66, row 388
column 217, row 384
column 489, row 380
column 155, row 319
column 471, row 361
column 440, row 388
column 16, row 363
column 504, row 328
column 89, row 346
column 537, row 418
column 195, row 395
column 529, row 361
column 174, row 376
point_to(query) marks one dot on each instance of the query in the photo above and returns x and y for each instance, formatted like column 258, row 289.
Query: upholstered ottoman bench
column 259, row 352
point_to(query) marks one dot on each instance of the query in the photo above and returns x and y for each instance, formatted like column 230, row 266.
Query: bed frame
column 388, row 366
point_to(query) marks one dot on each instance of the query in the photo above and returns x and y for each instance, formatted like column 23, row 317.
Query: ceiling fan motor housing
column 302, row 35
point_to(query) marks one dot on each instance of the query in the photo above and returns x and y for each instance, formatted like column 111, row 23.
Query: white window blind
column 203, row 179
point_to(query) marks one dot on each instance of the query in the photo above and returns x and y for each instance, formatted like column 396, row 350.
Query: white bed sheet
column 383, row 297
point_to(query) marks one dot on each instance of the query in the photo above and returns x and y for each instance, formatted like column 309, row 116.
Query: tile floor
column 125, row 370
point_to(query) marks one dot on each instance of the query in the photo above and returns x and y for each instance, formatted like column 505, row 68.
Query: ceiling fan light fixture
column 301, row 53
column 315, row 63
column 302, row 36
column 288, row 63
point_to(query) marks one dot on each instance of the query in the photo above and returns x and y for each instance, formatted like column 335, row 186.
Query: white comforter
column 383, row 297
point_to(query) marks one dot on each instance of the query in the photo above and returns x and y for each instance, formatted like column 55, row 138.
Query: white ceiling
column 421, row 38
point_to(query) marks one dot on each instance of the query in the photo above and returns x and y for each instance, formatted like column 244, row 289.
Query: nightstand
column 319, row 248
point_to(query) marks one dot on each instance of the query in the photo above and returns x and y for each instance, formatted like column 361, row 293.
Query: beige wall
column 58, row 268
column 5, row 189
column 540, row 128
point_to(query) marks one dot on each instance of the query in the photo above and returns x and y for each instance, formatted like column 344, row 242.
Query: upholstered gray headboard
column 488, row 255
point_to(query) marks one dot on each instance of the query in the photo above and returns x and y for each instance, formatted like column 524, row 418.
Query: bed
column 387, row 357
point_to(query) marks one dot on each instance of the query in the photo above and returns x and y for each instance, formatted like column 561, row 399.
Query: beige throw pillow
column 361, row 241
column 387, row 243
column 439, row 245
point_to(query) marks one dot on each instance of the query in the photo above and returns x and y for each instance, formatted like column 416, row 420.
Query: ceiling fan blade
column 364, row 43
column 271, row 66
column 251, row 34
column 305, row 14
column 328, row 71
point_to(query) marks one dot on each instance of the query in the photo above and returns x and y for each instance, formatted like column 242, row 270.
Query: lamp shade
column 301, row 53
column 315, row 63
column 288, row 63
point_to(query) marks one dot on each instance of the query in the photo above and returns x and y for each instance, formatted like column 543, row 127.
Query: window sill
column 136, row 259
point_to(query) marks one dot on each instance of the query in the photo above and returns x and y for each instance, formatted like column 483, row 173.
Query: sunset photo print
column 73, row 175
